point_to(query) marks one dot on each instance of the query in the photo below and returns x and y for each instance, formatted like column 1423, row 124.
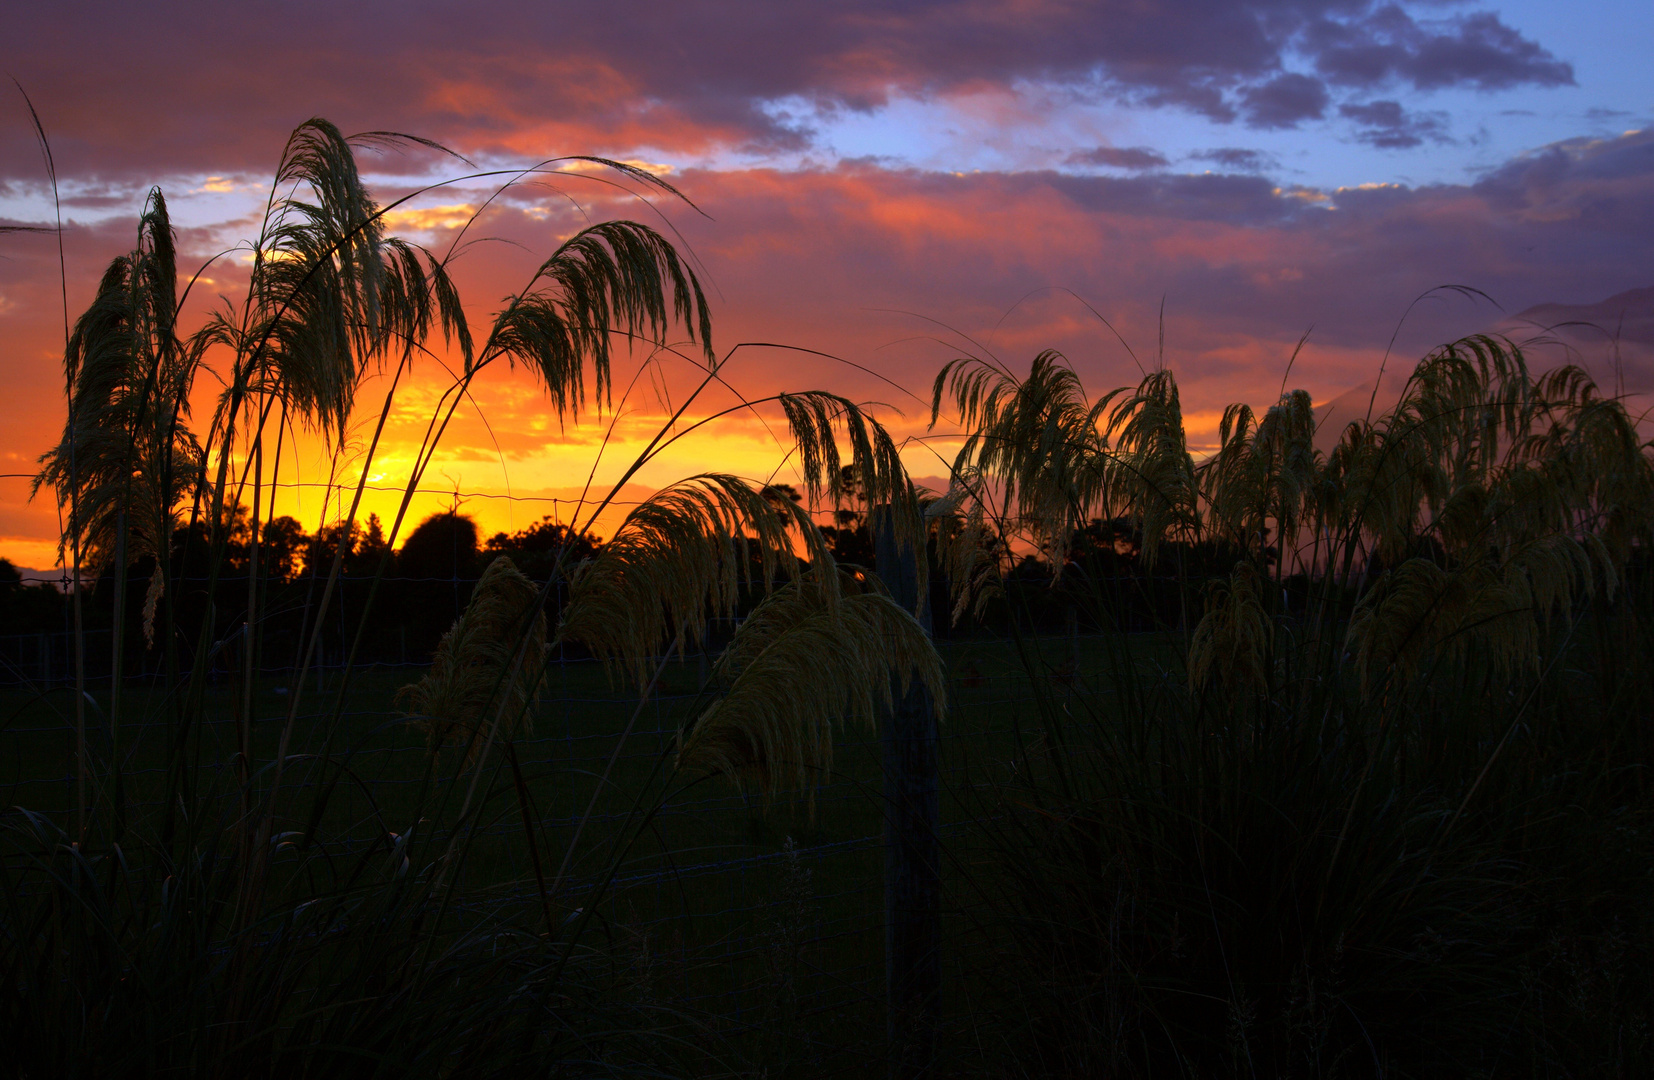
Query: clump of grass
column 1395, row 828
column 237, row 926
column 190, row 935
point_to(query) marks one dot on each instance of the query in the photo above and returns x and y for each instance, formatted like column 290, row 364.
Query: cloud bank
column 1116, row 247
column 213, row 87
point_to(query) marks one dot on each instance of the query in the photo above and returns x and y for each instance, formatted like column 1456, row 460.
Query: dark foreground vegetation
column 1301, row 762
column 1448, row 879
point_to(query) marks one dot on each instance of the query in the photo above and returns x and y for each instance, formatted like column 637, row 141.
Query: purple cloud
column 1603, row 180
column 1285, row 101
column 1386, row 44
column 1238, row 158
column 1387, row 125
column 1136, row 158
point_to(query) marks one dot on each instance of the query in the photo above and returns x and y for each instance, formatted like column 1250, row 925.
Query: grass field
column 767, row 918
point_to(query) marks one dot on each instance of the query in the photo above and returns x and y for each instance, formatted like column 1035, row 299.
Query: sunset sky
column 893, row 184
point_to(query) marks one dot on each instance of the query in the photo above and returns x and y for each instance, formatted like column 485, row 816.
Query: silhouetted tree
column 438, row 565
column 535, row 549
column 284, row 544
column 28, row 607
column 849, row 538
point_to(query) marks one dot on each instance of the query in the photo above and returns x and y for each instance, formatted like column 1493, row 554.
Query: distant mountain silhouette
column 1620, row 328
column 1332, row 417
column 1628, row 316
column 1613, row 339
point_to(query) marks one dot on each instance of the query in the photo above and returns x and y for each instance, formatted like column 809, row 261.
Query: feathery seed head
column 681, row 556
column 483, row 666
column 1231, row 641
column 809, row 656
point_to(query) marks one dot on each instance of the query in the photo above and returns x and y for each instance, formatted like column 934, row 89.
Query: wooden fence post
column 912, row 867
